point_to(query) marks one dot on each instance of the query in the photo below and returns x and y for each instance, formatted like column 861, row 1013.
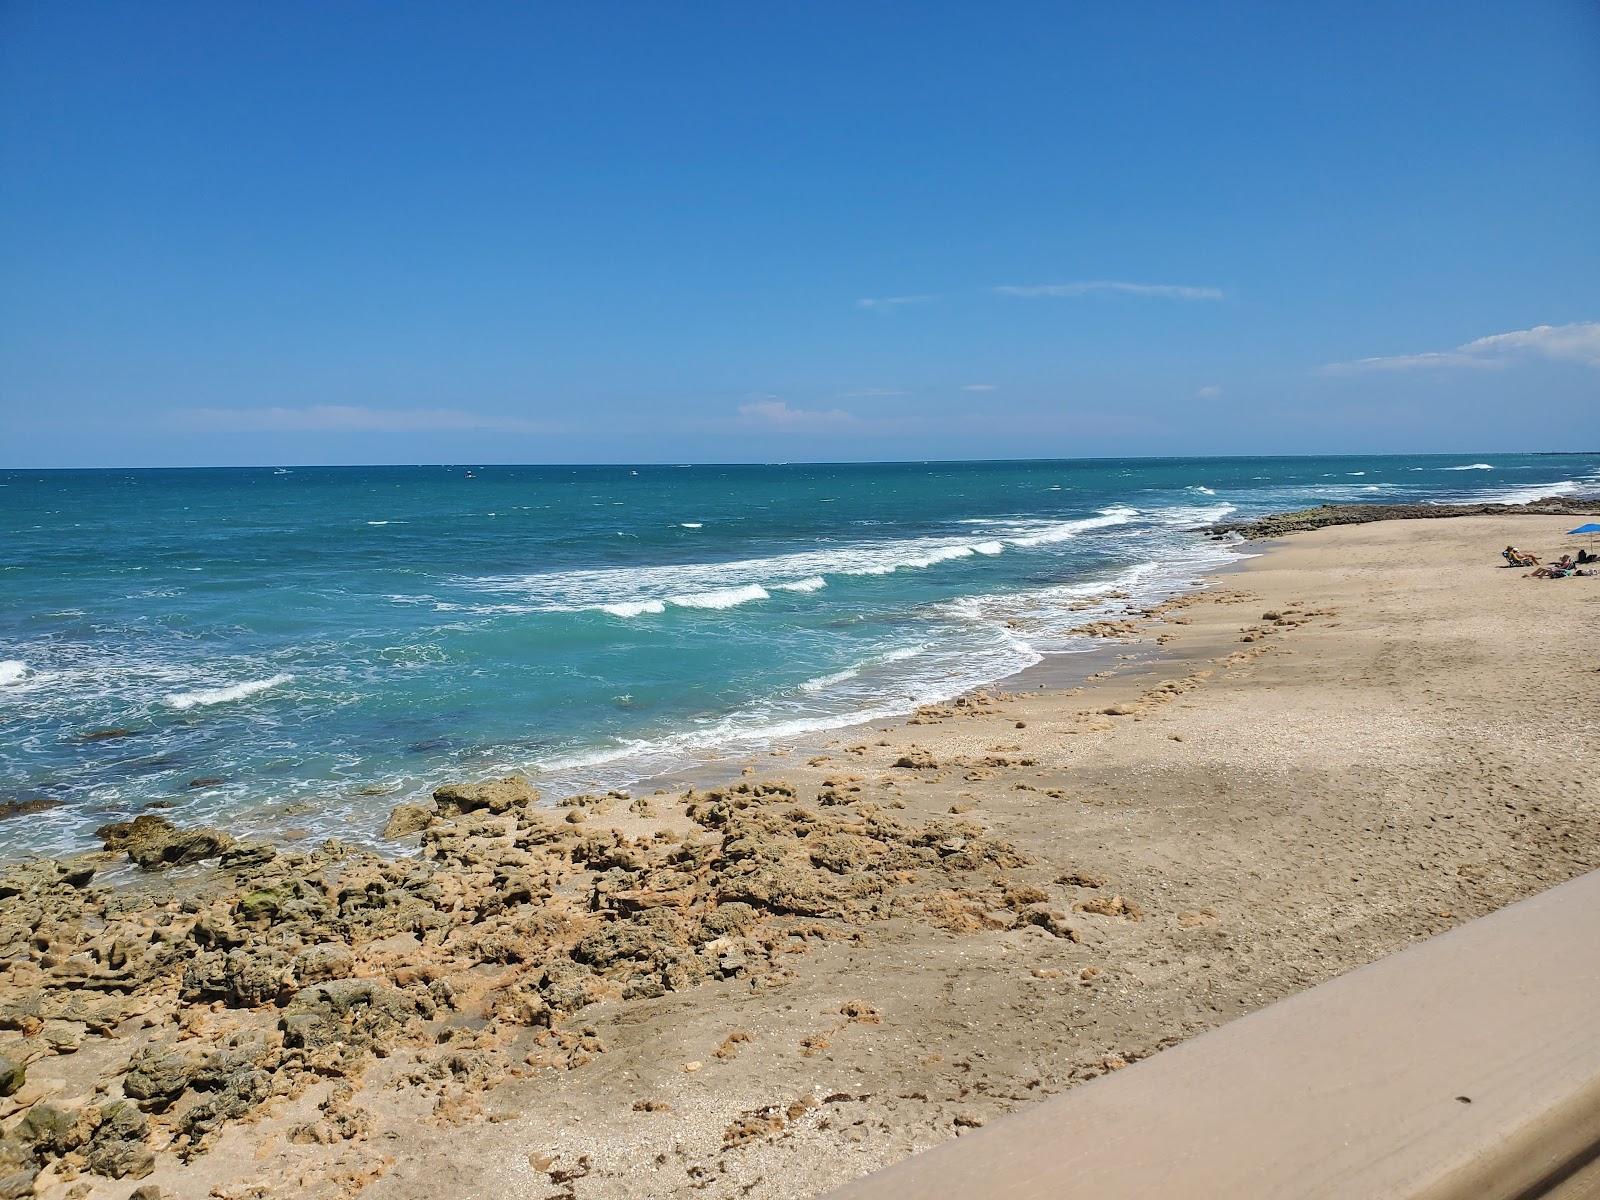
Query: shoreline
column 350, row 814
column 774, row 986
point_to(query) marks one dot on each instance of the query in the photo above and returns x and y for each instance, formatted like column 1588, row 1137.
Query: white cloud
column 340, row 418
column 1210, row 392
column 872, row 392
column 773, row 413
column 1578, row 342
column 1575, row 343
column 1165, row 291
column 978, row 387
column 890, row 303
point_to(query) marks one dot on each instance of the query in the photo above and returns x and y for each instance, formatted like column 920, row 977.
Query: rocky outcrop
column 407, row 819
column 497, row 796
column 1284, row 523
column 299, row 966
column 155, row 843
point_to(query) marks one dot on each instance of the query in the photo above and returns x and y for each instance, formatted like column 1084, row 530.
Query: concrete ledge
column 1467, row 1066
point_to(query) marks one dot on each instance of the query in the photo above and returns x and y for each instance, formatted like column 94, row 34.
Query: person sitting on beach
column 1516, row 558
column 1585, row 557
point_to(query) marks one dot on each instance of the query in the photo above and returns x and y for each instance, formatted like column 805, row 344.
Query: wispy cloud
column 869, row 393
column 1418, row 362
column 774, row 413
column 340, row 418
column 890, row 303
column 1085, row 287
column 1210, row 392
column 978, row 387
column 1575, row 343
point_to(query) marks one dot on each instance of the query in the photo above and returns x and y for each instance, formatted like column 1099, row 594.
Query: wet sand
column 1366, row 736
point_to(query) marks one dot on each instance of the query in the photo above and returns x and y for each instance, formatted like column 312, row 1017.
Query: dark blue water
column 305, row 634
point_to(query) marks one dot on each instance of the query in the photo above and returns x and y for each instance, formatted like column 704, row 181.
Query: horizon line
column 484, row 464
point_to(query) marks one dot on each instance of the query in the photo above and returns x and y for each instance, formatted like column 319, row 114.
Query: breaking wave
column 722, row 597
column 223, row 695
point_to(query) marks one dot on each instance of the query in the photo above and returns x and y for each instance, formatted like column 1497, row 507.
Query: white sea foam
column 222, row 695
column 823, row 682
column 945, row 675
column 937, row 555
column 634, row 608
column 1471, row 467
column 377, row 522
column 12, row 670
column 901, row 653
column 1067, row 530
column 691, row 525
column 1203, row 490
column 740, row 580
column 722, row 597
column 1524, row 495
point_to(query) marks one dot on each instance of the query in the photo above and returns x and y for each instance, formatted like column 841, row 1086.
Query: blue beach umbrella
column 1591, row 529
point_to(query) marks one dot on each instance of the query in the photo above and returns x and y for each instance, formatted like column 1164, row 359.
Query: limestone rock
column 155, row 843
column 349, row 1010
column 498, row 796
column 406, row 819
column 13, row 1074
column 118, row 1147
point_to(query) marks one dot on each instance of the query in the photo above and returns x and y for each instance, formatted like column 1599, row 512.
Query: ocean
column 305, row 647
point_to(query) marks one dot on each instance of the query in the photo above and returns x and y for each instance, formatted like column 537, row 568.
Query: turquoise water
column 302, row 634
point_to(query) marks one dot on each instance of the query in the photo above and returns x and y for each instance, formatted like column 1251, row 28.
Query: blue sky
column 362, row 232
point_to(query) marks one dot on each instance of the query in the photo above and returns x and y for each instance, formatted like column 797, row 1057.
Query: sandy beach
column 1364, row 736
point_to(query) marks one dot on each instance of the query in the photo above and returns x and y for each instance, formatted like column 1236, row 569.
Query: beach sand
column 1365, row 736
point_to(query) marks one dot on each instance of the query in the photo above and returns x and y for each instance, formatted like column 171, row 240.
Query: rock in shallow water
column 407, row 819
column 498, row 796
column 155, row 843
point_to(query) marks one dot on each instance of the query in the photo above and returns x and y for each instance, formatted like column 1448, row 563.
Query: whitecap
column 1203, row 490
column 12, row 670
column 1067, row 530
column 814, row 584
column 377, row 522
column 942, row 554
column 238, row 691
column 823, row 682
column 571, row 591
column 634, row 608
column 722, row 597
column 1525, row 495
column 691, row 525
column 990, row 548
column 1471, row 467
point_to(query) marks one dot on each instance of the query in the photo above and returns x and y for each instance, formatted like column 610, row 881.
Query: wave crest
column 634, row 608
column 222, row 695
column 722, row 597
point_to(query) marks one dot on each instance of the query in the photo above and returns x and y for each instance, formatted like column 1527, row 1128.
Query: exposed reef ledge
column 1301, row 519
